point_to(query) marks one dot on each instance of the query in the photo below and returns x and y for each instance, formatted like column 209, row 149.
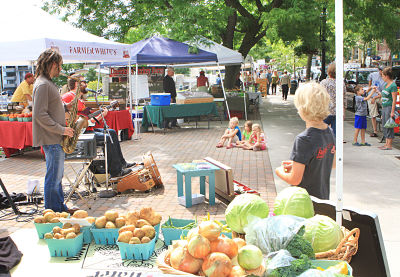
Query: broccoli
column 296, row 268
column 299, row 245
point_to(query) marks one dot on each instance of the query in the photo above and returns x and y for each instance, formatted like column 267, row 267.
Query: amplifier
column 85, row 148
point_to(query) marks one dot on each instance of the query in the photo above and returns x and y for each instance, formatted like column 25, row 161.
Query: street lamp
column 322, row 39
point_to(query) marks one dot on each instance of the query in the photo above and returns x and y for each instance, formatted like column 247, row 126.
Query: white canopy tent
column 27, row 31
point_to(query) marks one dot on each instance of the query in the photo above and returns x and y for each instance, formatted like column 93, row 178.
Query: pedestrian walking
column 274, row 82
column 269, row 80
column 374, row 80
column 285, row 84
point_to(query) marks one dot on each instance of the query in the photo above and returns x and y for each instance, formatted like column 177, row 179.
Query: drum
column 139, row 180
column 150, row 164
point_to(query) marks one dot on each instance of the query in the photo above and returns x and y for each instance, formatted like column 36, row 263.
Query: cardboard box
column 223, row 180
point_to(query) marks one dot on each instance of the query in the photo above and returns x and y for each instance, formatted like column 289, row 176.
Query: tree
column 237, row 24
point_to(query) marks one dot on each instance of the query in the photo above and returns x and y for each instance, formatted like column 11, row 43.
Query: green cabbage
column 294, row 201
column 241, row 207
column 323, row 233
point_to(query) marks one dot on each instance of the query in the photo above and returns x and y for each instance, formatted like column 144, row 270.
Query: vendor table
column 118, row 120
column 202, row 173
column 157, row 114
column 15, row 135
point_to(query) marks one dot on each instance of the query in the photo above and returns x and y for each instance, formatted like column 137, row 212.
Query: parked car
column 353, row 77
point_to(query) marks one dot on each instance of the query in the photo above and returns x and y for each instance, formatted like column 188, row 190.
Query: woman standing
column 275, row 81
column 389, row 94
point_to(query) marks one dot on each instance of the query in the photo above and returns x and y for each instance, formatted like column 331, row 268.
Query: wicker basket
column 167, row 269
column 346, row 249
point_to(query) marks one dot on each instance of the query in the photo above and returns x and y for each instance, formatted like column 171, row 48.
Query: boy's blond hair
column 312, row 99
column 234, row 120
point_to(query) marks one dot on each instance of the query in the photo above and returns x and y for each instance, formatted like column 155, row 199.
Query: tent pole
column 244, row 93
column 98, row 77
column 223, row 90
column 339, row 108
column 137, row 102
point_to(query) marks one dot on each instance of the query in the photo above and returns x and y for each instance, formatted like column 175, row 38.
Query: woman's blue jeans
column 53, row 192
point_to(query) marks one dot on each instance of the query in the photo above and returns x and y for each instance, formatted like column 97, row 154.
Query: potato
column 58, row 236
column 156, row 219
column 64, row 214
column 90, row 219
column 138, row 233
column 65, row 232
column 134, row 240
column 127, row 228
column 145, row 240
column 151, row 216
column 77, row 228
column 47, row 211
column 49, row 216
column 80, row 214
column 125, row 236
column 149, row 231
column 119, row 222
column 67, row 225
column 70, row 236
column 100, row 222
column 111, row 215
column 142, row 222
column 131, row 218
column 48, row 236
column 57, row 230
column 39, row 219
column 55, row 220
column 110, row 225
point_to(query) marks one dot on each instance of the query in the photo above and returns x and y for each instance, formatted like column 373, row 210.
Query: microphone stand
column 105, row 193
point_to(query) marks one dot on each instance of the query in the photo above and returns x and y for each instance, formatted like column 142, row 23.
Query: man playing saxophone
column 48, row 127
column 117, row 164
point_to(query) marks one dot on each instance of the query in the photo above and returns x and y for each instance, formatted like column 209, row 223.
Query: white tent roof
column 27, row 31
column 225, row 55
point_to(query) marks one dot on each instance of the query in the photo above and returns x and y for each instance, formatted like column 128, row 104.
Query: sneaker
column 365, row 144
column 128, row 165
column 356, row 144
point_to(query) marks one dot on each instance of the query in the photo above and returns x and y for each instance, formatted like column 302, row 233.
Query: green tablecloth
column 159, row 113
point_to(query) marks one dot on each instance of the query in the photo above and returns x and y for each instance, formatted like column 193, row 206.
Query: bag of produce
column 390, row 124
column 282, row 264
column 279, row 232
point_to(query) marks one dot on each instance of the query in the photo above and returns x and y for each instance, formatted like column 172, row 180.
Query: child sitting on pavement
column 257, row 140
column 313, row 153
column 247, row 131
column 360, row 118
column 230, row 134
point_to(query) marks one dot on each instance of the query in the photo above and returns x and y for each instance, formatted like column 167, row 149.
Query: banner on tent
column 143, row 70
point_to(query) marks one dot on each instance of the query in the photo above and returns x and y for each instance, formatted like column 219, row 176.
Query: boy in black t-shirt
column 313, row 153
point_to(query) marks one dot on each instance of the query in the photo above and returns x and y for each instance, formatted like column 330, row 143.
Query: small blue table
column 196, row 172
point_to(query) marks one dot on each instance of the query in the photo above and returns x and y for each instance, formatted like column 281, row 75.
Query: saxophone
column 69, row 143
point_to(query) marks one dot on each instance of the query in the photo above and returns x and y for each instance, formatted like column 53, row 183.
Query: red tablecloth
column 15, row 135
column 118, row 120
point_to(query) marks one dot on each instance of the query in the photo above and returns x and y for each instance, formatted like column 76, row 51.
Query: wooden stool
column 202, row 173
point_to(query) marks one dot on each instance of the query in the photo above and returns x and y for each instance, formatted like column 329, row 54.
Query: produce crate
column 327, row 263
column 87, row 234
column 65, row 247
column 43, row 228
column 171, row 234
column 137, row 251
column 105, row 236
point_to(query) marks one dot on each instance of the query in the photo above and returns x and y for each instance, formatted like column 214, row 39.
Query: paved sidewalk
column 371, row 176
column 177, row 146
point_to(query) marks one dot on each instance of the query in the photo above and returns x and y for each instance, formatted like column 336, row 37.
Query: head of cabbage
column 294, row 201
column 241, row 207
column 323, row 233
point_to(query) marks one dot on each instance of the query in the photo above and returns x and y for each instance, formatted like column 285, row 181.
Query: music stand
column 105, row 193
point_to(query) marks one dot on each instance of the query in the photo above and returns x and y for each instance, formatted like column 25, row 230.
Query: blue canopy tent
column 161, row 50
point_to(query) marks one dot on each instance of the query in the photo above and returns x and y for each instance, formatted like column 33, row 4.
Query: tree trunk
column 231, row 72
column 308, row 71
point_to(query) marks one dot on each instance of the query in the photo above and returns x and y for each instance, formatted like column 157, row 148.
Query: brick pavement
column 177, row 146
